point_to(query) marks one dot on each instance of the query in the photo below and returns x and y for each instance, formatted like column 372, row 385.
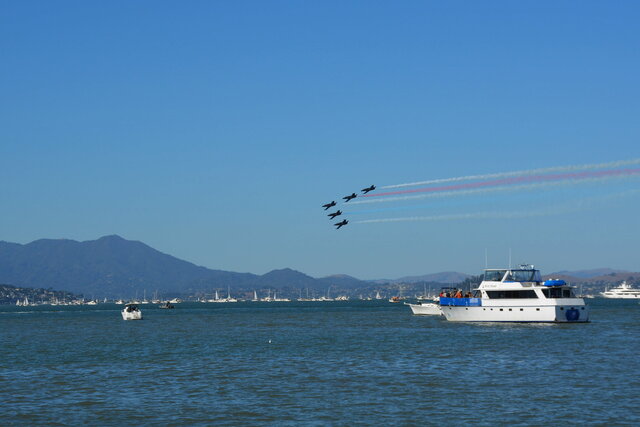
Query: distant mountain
column 586, row 274
column 447, row 277
column 607, row 279
column 113, row 266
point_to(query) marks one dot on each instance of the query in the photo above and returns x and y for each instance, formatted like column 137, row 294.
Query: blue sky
column 213, row 131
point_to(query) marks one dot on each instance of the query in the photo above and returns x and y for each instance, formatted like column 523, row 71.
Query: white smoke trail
column 453, row 217
column 508, row 188
column 518, row 173
column 573, row 206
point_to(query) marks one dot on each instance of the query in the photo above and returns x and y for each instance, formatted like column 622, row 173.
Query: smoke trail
column 531, row 186
column 517, row 173
column 513, row 180
column 571, row 207
column 452, row 217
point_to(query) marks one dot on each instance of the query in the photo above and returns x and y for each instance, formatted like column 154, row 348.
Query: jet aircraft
column 352, row 196
column 366, row 190
column 328, row 205
column 335, row 214
column 341, row 223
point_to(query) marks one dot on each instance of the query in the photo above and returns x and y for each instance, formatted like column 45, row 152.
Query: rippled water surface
column 341, row 363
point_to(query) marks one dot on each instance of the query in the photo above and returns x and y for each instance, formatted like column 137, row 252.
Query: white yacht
column 623, row 291
column 131, row 312
column 517, row 295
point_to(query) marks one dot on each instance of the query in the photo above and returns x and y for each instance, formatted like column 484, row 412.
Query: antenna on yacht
column 509, row 258
column 486, row 259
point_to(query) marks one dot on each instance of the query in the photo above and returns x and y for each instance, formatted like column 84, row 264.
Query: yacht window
column 525, row 275
column 558, row 293
column 494, row 275
column 511, row 294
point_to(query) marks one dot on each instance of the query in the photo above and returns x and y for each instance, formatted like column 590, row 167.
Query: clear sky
column 214, row 131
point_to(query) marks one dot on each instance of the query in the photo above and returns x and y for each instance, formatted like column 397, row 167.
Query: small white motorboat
column 131, row 312
column 426, row 308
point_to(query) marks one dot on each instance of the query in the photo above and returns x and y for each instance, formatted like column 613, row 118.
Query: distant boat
column 623, row 291
column 276, row 299
column 131, row 312
column 216, row 298
column 268, row 297
column 229, row 299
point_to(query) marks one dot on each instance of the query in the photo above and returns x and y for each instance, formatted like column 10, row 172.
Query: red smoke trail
column 515, row 180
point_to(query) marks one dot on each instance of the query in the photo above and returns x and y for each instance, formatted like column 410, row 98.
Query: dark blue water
column 366, row 363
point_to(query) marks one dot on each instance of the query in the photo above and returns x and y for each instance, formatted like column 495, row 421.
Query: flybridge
column 525, row 274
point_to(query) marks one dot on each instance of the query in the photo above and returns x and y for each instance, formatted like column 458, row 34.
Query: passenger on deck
column 459, row 294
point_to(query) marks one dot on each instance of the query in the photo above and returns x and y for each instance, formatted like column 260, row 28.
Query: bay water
column 314, row 363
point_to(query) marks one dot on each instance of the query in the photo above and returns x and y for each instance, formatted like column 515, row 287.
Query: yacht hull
column 618, row 296
column 515, row 313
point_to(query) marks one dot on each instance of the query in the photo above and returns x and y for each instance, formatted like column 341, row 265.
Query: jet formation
column 346, row 199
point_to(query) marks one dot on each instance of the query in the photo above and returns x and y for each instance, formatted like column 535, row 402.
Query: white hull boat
column 131, row 312
column 623, row 291
column 517, row 295
column 426, row 308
